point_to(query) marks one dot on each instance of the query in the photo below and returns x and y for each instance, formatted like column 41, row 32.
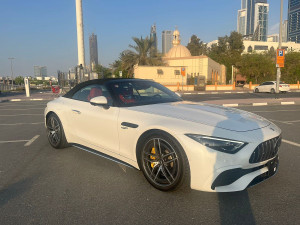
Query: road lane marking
column 287, row 122
column 31, row 140
column 17, row 124
column 230, row 105
column 284, row 110
column 20, row 109
column 260, row 104
column 287, row 103
column 122, row 167
column 16, row 141
column 15, row 100
column 290, row 142
column 227, row 92
column 24, row 115
column 36, row 99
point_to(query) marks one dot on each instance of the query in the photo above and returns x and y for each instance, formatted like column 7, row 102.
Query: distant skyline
column 44, row 32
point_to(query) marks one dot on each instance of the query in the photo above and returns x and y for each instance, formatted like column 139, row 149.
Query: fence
column 7, row 87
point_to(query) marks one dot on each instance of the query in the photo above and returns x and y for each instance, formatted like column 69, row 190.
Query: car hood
column 212, row 115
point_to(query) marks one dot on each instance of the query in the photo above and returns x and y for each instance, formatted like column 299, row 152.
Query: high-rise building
column 93, row 51
column 294, row 21
column 166, row 37
column 248, row 24
column 40, row 71
column 261, row 21
column 154, row 37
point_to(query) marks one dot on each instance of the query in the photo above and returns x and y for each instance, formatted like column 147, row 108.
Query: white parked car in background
column 142, row 124
column 270, row 86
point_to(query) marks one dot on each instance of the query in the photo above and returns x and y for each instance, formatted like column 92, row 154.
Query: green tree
column 117, row 67
column 103, row 72
column 257, row 67
column 19, row 80
column 196, row 46
column 228, row 51
column 291, row 70
column 140, row 55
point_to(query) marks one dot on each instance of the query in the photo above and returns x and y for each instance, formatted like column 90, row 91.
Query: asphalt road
column 42, row 185
column 236, row 95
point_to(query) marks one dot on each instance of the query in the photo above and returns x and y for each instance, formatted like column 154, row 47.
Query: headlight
column 219, row 144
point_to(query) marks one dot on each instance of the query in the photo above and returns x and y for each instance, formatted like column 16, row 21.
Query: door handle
column 76, row 111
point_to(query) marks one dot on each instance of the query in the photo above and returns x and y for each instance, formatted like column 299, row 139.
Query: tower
column 80, row 34
column 154, row 38
column 166, row 41
column 93, row 51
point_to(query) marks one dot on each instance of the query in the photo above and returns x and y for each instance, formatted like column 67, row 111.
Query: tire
column 256, row 90
column 163, row 161
column 55, row 132
column 272, row 90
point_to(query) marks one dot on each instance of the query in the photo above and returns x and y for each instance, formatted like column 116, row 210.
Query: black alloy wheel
column 164, row 162
column 256, row 90
column 55, row 132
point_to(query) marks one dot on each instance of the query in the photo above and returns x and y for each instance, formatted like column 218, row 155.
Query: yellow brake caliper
column 152, row 157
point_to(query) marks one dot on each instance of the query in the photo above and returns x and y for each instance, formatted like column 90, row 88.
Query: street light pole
column 279, row 47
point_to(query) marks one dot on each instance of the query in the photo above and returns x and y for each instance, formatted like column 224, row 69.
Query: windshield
column 141, row 92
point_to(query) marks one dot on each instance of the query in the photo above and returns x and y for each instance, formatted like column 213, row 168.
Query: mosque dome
column 178, row 50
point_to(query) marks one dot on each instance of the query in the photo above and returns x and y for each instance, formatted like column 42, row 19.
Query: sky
column 43, row 32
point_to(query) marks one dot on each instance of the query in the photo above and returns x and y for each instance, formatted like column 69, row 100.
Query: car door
column 269, row 86
column 92, row 124
column 262, row 87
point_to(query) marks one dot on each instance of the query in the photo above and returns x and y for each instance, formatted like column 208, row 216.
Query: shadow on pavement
column 235, row 208
column 14, row 190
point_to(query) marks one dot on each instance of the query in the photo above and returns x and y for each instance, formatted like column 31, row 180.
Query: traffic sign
column 280, row 58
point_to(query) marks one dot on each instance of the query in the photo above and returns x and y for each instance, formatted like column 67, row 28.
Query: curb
column 25, row 100
column 259, row 104
column 223, row 92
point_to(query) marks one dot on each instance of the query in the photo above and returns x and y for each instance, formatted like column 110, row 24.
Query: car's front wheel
column 55, row 132
column 256, row 90
column 163, row 162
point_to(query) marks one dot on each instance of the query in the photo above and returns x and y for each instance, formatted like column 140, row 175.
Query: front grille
column 266, row 150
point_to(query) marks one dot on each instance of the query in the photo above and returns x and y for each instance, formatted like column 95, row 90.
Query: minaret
column 176, row 38
column 80, row 38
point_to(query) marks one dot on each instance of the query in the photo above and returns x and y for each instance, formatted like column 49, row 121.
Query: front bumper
column 214, row 171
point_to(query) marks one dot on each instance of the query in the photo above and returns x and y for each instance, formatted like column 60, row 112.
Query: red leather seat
column 97, row 91
column 126, row 95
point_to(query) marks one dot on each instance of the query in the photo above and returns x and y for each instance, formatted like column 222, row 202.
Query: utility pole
column 279, row 47
column 12, row 73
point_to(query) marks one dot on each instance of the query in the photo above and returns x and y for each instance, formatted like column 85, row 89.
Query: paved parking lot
column 42, row 185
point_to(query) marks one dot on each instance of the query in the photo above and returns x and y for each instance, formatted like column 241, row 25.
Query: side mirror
column 100, row 101
column 177, row 93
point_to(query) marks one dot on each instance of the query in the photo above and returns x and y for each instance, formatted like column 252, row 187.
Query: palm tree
column 140, row 56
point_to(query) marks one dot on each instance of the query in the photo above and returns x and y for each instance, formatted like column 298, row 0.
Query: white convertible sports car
column 142, row 124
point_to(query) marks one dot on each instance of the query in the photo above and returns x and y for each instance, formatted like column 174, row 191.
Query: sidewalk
column 21, row 96
column 255, row 102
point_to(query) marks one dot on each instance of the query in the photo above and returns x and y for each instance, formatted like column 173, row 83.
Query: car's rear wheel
column 256, row 90
column 55, row 132
column 272, row 90
column 163, row 162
